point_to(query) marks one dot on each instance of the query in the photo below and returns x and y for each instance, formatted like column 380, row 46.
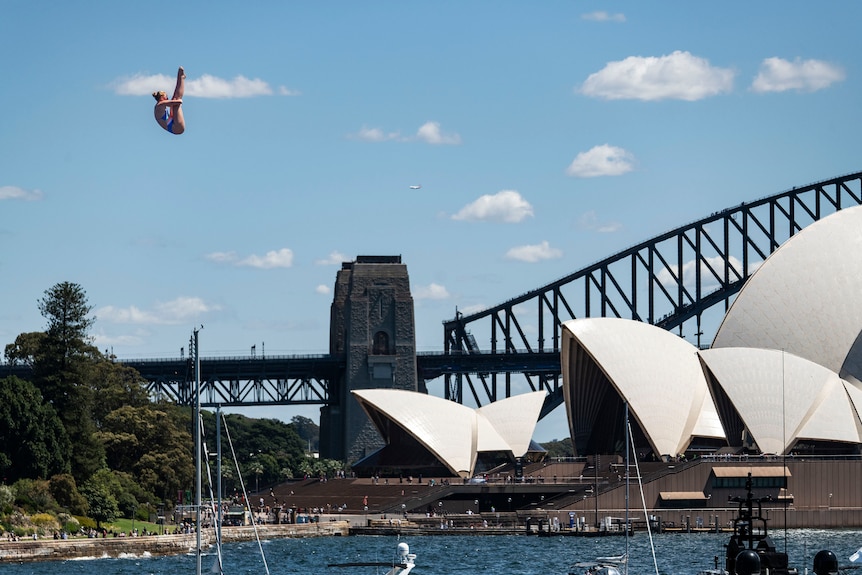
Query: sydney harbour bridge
column 682, row 280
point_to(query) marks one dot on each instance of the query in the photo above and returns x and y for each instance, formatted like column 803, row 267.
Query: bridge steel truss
column 244, row 381
column 684, row 279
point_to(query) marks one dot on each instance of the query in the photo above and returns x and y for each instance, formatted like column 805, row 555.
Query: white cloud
column 15, row 193
column 604, row 160
column 282, row 258
column 335, row 259
column 505, row 206
column 322, row 289
column 430, row 132
column 177, row 311
column 590, row 221
column 778, row 75
column 678, row 76
column 222, row 257
column 534, row 253
column 103, row 341
column 374, row 135
column 602, row 16
column 433, row 291
column 206, row 86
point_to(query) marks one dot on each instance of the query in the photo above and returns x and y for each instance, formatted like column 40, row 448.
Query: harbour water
column 677, row 554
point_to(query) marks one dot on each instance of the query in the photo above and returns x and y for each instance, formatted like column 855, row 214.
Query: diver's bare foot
column 181, row 73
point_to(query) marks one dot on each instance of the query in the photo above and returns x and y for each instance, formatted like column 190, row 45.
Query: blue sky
column 545, row 136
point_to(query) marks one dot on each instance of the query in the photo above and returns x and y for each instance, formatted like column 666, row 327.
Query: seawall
column 62, row 549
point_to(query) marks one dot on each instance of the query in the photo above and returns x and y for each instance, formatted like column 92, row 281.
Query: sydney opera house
column 783, row 375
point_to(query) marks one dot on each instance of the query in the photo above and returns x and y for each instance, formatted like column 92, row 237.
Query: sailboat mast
column 197, row 425
column 626, row 568
column 218, row 468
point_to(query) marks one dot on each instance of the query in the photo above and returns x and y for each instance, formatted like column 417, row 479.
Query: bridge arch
column 683, row 279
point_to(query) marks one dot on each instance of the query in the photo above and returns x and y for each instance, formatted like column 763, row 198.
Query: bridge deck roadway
column 288, row 380
column 433, row 365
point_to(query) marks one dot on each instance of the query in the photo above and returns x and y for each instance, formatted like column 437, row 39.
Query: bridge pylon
column 372, row 326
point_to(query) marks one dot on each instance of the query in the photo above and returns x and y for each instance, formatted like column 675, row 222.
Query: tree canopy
column 265, row 448
column 66, row 308
column 307, row 430
column 84, row 436
column 36, row 444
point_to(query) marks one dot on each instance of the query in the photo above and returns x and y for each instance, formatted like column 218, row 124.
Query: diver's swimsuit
column 167, row 118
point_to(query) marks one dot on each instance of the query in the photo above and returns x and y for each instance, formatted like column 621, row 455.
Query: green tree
column 64, row 372
column 101, row 502
column 65, row 492
column 228, row 478
column 255, row 467
column 7, row 498
column 34, row 440
column 123, row 488
column 559, row 448
column 34, row 495
column 274, row 443
column 331, row 466
column 151, row 444
column 26, row 349
column 66, row 308
column 116, row 386
column 306, row 467
column 307, row 430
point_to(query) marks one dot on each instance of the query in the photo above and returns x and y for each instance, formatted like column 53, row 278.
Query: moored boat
column 751, row 550
column 403, row 563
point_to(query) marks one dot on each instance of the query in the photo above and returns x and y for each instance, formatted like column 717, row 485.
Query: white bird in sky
column 415, row 187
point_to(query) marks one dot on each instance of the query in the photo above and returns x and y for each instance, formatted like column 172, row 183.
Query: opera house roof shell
column 785, row 366
column 453, row 433
column 781, row 399
column 804, row 299
column 653, row 370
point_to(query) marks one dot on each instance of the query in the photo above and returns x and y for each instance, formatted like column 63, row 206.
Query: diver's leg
column 181, row 84
column 177, row 116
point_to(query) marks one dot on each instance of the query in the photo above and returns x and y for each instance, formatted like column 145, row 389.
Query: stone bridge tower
column 372, row 326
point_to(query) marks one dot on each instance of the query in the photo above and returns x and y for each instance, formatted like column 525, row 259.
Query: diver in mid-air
column 169, row 113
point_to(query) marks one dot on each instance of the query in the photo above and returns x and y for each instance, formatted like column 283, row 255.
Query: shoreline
column 27, row 551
